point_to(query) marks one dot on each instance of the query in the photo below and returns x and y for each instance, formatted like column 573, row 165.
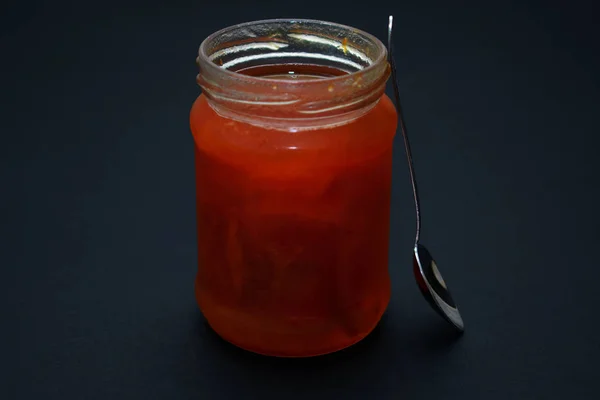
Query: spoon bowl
column 433, row 287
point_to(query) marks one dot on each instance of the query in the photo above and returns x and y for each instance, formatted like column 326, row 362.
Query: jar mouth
column 355, row 63
column 242, row 44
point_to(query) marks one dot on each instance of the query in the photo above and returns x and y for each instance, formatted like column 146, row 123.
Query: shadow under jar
column 293, row 154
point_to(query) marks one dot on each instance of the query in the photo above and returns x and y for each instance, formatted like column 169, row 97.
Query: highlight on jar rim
column 348, row 48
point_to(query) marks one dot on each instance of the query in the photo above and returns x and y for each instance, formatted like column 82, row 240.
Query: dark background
column 97, row 229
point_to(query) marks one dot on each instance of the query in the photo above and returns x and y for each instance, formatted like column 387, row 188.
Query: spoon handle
column 409, row 157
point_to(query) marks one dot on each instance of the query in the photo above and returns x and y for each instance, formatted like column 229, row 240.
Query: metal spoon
column 428, row 277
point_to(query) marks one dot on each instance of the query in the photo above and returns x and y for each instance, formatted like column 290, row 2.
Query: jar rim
column 284, row 102
column 206, row 62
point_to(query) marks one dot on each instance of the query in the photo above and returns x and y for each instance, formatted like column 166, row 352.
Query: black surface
column 98, row 252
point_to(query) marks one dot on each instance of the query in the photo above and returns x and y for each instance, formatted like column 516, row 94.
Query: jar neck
column 294, row 102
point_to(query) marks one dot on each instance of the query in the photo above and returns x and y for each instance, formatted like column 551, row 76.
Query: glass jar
column 293, row 154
